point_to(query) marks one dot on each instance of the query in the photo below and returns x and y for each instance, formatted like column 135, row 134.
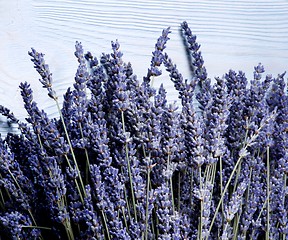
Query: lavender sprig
column 18, row 225
column 157, row 58
column 197, row 62
column 152, row 169
column 46, row 80
column 43, row 69
column 156, row 61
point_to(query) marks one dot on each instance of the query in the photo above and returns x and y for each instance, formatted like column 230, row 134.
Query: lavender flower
column 79, row 92
column 197, row 62
column 216, row 114
column 19, row 188
column 204, row 195
column 164, row 212
column 212, row 166
column 157, row 58
column 44, row 128
column 156, row 61
column 235, row 202
column 236, row 88
column 90, row 219
column 16, row 223
column 43, row 69
column 116, row 90
column 172, row 138
column 185, row 88
column 109, row 196
column 256, row 196
column 255, row 103
column 7, row 113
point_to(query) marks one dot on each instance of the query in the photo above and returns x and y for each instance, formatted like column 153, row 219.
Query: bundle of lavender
column 121, row 162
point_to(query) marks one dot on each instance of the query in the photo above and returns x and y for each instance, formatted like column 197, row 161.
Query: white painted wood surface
column 234, row 34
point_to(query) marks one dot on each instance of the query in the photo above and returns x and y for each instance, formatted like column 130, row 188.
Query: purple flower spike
column 157, row 56
column 213, row 165
column 43, row 69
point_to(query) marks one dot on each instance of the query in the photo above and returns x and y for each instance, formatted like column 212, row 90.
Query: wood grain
column 233, row 34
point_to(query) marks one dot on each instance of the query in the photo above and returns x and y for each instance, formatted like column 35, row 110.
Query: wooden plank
column 233, row 34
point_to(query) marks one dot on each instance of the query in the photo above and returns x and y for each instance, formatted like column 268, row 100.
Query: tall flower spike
column 199, row 73
column 156, row 61
column 125, row 123
column 115, row 87
column 43, row 69
column 7, row 113
column 236, row 87
column 46, row 80
column 164, row 211
column 79, row 93
column 185, row 88
column 233, row 207
column 256, row 196
column 255, row 102
column 235, row 202
column 43, row 127
column 19, row 186
column 158, row 56
column 216, row 114
column 198, row 68
column 16, row 223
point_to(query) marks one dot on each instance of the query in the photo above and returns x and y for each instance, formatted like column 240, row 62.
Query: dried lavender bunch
column 121, row 162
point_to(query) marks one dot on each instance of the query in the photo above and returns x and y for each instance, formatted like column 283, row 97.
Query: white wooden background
column 234, row 34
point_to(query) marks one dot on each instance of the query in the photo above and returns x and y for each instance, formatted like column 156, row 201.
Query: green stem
column 236, row 178
column 2, row 196
column 38, row 227
column 259, row 215
column 68, row 229
column 247, row 144
column 191, row 187
column 235, row 226
column 125, row 196
column 249, row 184
column 147, row 200
column 224, row 191
column 40, row 142
column 129, row 168
column 153, row 226
column 105, row 224
column 20, row 189
column 125, row 220
column 71, row 149
column 76, row 183
column 171, row 183
column 179, row 191
column 67, row 224
column 221, row 186
column 283, row 200
column 157, row 223
column 152, row 81
column 268, row 190
column 201, row 205
column 2, row 201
